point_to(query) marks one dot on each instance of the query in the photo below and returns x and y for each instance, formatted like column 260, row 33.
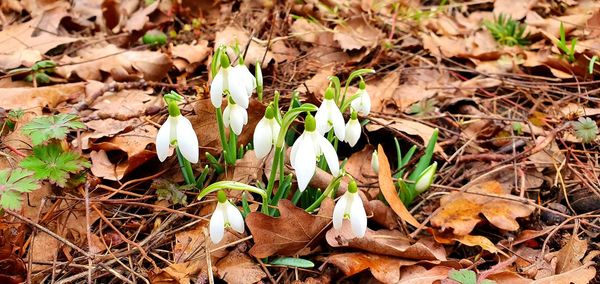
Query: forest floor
column 510, row 89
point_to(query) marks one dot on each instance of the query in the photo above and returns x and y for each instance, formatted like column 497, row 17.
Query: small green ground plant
column 507, row 31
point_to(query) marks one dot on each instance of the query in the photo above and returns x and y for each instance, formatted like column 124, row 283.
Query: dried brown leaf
column 356, row 34
column 19, row 37
column 34, row 99
column 388, row 189
column 289, row 234
column 460, row 210
column 239, row 268
column 387, row 242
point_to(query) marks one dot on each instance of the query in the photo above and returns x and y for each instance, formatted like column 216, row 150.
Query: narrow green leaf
column 293, row 262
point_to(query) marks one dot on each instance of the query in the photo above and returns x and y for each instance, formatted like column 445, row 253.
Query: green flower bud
column 310, row 124
column 269, row 112
column 329, row 93
column 362, row 85
column 224, row 60
column 221, row 197
column 352, row 187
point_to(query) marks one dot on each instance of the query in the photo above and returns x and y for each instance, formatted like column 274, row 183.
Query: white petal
column 262, row 139
column 330, row 155
column 237, row 119
column 295, row 148
column 217, row 224
column 187, row 141
column 247, row 78
column 352, row 132
column 238, row 91
column 358, row 216
column 275, row 128
column 216, row 89
column 305, row 163
column 234, row 217
column 227, row 115
column 366, row 102
column 321, row 119
column 337, row 119
column 338, row 211
column 163, row 140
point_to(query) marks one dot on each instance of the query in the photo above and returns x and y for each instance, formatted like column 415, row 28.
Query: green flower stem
column 186, row 168
column 278, row 156
column 271, row 184
column 224, row 143
column 333, row 185
column 232, row 153
column 296, row 197
column 231, row 185
column 353, row 75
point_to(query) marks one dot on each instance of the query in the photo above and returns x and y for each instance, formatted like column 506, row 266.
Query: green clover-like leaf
column 52, row 163
column 12, row 184
column 44, row 128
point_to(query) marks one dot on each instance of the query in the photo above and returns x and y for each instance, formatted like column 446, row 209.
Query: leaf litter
column 509, row 150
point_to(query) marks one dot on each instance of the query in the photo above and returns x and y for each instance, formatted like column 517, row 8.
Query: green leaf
column 44, row 128
column 294, row 262
column 12, row 184
column 169, row 191
column 52, row 163
column 463, row 276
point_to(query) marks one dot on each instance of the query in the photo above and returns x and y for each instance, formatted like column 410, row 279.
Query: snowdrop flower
column 246, row 78
column 353, row 130
column 362, row 103
column 266, row 133
column 375, row 161
column 225, row 215
column 329, row 115
column 235, row 117
column 350, row 206
column 236, row 80
column 177, row 131
column 426, row 178
column 310, row 145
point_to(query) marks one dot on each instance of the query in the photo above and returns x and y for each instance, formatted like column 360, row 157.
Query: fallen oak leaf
column 237, row 267
column 387, row 242
column 448, row 238
column 460, row 210
column 289, row 234
column 386, row 184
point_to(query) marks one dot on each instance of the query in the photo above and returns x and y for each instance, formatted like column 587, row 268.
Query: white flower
column 177, row 130
column 426, row 178
column 353, row 131
column 375, row 162
column 310, row 145
column 246, row 78
column 237, row 80
column 362, row 103
column 350, row 206
column 329, row 115
column 235, row 117
column 265, row 134
column 225, row 215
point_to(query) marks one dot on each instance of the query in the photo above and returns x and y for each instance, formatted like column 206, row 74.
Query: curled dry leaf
column 34, row 99
column 232, row 35
column 292, row 233
column 391, row 269
column 239, row 268
column 460, row 210
column 359, row 166
column 387, row 242
column 468, row 240
column 188, row 57
column 356, row 34
column 248, row 169
column 90, row 62
column 16, row 38
column 384, row 268
column 409, row 127
column 388, row 189
column 383, row 214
